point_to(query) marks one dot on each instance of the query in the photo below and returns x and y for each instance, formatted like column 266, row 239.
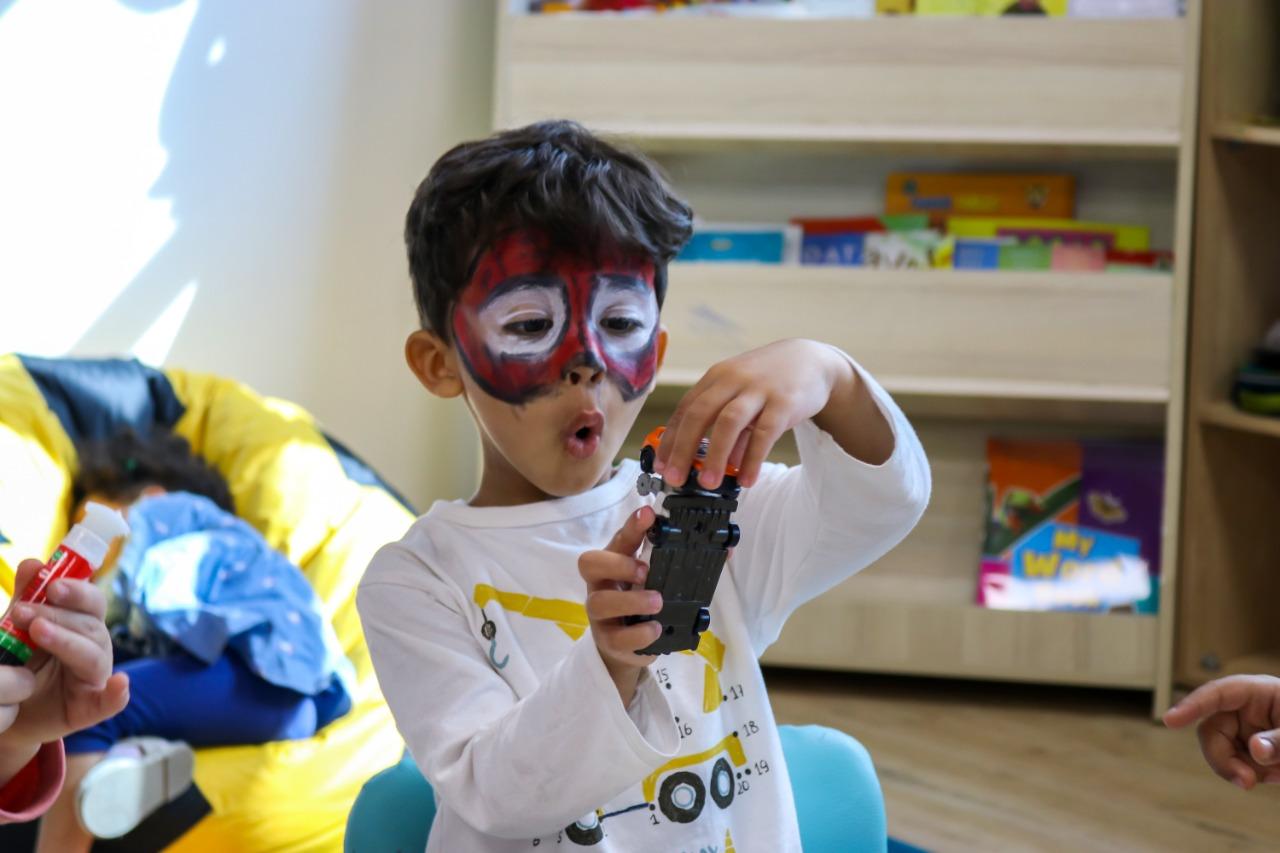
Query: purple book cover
column 1122, row 491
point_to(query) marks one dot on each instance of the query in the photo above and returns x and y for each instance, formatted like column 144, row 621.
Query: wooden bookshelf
column 1229, row 538
column 967, row 354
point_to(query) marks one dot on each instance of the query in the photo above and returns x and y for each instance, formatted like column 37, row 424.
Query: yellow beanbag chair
column 312, row 500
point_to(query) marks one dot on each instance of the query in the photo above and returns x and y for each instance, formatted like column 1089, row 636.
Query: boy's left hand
column 744, row 404
column 73, row 684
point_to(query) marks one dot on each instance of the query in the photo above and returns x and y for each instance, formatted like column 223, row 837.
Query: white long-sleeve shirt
column 479, row 636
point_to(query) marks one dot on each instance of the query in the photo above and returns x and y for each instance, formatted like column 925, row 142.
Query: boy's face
column 556, row 357
column 529, row 317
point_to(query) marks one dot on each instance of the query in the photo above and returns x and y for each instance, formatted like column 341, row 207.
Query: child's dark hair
column 586, row 195
column 122, row 466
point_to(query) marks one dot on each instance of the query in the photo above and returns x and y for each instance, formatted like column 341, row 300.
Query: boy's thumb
column 1265, row 747
column 631, row 536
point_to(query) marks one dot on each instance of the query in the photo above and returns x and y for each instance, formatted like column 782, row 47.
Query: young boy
column 538, row 258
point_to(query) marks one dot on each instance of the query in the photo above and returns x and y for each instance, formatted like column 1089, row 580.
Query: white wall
column 222, row 186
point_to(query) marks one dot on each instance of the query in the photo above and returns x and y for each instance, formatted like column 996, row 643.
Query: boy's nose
column 584, row 368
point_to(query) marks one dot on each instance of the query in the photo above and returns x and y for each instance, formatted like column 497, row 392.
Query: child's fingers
column 1218, row 745
column 26, row 571
column 1264, row 747
column 629, row 538
column 17, row 683
column 605, row 569
column 79, row 596
column 733, row 420
column 626, row 640
column 92, row 706
column 606, row 604
column 94, row 629
column 84, row 658
column 765, row 433
column 688, row 426
column 1226, row 694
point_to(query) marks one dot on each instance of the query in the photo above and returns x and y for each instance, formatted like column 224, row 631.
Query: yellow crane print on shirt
column 571, row 617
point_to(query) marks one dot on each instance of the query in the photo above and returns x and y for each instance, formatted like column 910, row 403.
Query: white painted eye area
column 524, row 322
column 625, row 312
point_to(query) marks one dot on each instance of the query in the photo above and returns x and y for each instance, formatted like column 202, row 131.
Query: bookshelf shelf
column 1087, row 337
column 1068, row 83
column 1224, row 414
column 1249, row 134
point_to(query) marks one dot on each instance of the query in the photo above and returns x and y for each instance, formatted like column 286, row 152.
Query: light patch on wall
column 156, row 342
column 84, row 81
column 217, row 51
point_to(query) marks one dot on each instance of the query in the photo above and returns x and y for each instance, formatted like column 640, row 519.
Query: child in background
column 223, row 640
column 1239, row 727
column 67, row 685
column 539, row 264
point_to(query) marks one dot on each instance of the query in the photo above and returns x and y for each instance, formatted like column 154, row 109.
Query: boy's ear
column 434, row 363
column 662, row 346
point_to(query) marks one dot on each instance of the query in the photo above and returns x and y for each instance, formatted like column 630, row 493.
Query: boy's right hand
column 611, row 575
column 1239, row 727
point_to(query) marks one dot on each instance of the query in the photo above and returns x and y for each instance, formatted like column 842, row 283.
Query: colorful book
column 906, row 221
column 1072, row 525
column 1054, row 8
column 767, row 244
column 942, row 195
column 1128, row 238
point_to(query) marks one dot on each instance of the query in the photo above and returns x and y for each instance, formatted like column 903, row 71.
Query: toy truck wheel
column 658, row 532
column 585, row 832
column 735, row 536
column 722, row 783
column 647, row 457
column 682, row 797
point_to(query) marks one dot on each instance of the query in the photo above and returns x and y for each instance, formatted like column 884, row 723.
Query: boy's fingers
column 1225, row 694
column 629, row 639
column 1264, row 747
column 628, row 540
column 85, row 659
column 79, row 596
column 726, row 434
column 603, row 568
column 105, row 703
column 605, row 604
column 764, row 435
column 690, row 429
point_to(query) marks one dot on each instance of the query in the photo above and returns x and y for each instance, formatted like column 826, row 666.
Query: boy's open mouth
column 582, row 438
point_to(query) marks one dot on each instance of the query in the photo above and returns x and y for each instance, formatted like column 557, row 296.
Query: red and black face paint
column 529, row 316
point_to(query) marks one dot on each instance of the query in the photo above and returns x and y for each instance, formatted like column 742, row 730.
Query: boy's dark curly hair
column 122, row 466
column 586, row 195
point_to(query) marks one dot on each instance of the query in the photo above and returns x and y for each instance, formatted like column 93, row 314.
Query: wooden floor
column 968, row 766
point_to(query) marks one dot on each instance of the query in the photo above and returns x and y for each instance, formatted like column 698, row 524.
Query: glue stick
column 77, row 558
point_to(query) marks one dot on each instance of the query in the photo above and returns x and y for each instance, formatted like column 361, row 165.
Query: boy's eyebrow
column 622, row 280
column 523, row 280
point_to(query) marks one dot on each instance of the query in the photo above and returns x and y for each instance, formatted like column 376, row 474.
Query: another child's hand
column 68, row 684
column 1239, row 727
column 744, row 404
column 611, row 575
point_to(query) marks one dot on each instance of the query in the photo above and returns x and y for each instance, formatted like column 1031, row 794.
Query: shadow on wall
column 295, row 134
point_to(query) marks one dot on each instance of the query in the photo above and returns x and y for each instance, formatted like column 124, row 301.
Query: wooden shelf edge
column 1224, row 414
column 976, row 643
column 1247, row 133
column 994, row 389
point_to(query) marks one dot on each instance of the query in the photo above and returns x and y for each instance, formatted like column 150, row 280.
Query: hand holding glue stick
column 77, row 558
column 68, row 684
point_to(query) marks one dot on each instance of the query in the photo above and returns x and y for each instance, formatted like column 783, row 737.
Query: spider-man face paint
column 529, row 317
